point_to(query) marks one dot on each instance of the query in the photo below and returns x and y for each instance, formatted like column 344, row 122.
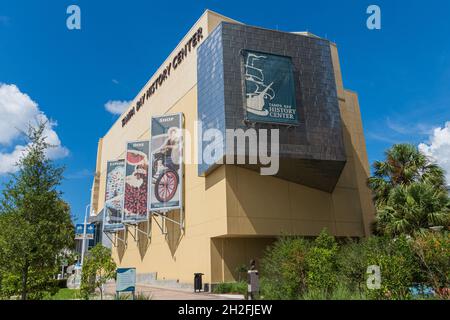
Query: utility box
column 253, row 283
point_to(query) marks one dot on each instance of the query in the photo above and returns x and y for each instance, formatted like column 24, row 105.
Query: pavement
column 164, row 293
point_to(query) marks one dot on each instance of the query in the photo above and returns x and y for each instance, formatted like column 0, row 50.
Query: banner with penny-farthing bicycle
column 136, row 182
column 166, row 163
column 114, row 190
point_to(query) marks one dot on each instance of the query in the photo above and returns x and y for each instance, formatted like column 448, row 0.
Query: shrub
column 98, row 268
column 283, row 269
column 241, row 272
column 321, row 264
column 231, row 287
column 352, row 265
column 433, row 253
column 10, row 285
column 397, row 264
column 340, row 292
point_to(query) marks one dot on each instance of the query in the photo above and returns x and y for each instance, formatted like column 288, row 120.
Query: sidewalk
column 162, row 293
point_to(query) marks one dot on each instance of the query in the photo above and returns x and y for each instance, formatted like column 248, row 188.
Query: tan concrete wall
column 178, row 255
column 182, row 80
column 228, row 254
column 175, row 255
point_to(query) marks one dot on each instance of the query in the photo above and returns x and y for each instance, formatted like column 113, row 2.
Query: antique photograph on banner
column 269, row 88
column 166, row 163
column 136, row 182
column 114, row 191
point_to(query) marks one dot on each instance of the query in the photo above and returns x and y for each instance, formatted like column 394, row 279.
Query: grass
column 231, row 287
column 65, row 294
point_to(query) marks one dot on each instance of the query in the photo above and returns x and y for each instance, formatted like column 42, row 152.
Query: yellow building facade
column 232, row 213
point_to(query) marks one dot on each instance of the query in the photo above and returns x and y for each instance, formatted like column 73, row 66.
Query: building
column 231, row 213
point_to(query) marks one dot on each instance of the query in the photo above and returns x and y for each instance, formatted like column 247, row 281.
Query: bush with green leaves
column 398, row 267
column 352, row 265
column 432, row 250
column 231, row 287
column 284, row 269
column 340, row 292
column 98, row 268
column 321, row 263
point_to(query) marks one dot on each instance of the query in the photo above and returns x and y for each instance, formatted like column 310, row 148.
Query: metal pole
column 83, row 246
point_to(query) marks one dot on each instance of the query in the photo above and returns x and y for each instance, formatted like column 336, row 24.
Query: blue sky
column 401, row 72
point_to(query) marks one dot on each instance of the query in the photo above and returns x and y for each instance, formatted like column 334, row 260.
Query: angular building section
column 226, row 75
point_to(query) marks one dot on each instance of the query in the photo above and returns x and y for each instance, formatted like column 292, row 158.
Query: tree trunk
column 25, row 280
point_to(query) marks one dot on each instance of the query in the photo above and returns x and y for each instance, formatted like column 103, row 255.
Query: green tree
column 409, row 192
column 404, row 165
column 413, row 208
column 35, row 223
column 98, row 268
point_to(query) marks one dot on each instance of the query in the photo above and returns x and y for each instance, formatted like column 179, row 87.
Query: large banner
column 112, row 218
column 269, row 88
column 166, row 162
column 135, row 207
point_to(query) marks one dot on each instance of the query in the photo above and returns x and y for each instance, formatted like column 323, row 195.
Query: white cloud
column 116, row 106
column 17, row 111
column 9, row 160
column 438, row 148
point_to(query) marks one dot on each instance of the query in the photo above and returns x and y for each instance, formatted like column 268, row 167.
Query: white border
column 105, row 209
column 181, row 176
column 135, row 221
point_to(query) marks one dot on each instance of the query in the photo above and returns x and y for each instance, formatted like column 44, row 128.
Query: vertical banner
column 115, row 173
column 79, row 231
column 136, row 182
column 269, row 88
column 166, row 162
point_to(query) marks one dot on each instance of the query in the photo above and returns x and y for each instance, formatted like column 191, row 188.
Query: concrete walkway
column 163, row 293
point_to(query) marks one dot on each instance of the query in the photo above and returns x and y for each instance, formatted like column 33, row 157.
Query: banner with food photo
column 114, row 191
column 166, row 163
column 136, row 182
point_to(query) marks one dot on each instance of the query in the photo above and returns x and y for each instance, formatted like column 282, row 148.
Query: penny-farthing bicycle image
column 166, row 158
column 166, row 180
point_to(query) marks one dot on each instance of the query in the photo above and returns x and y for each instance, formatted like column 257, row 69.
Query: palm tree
column 404, row 165
column 413, row 208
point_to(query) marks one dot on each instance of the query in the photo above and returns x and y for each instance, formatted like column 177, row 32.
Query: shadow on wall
column 121, row 244
column 231, row 256
column 174, row 232
column 362, row 171
column 143, row 237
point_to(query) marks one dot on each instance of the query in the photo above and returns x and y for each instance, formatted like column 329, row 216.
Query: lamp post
column 83, row 246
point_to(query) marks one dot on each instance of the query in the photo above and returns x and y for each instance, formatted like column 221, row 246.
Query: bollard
column 252, row 281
